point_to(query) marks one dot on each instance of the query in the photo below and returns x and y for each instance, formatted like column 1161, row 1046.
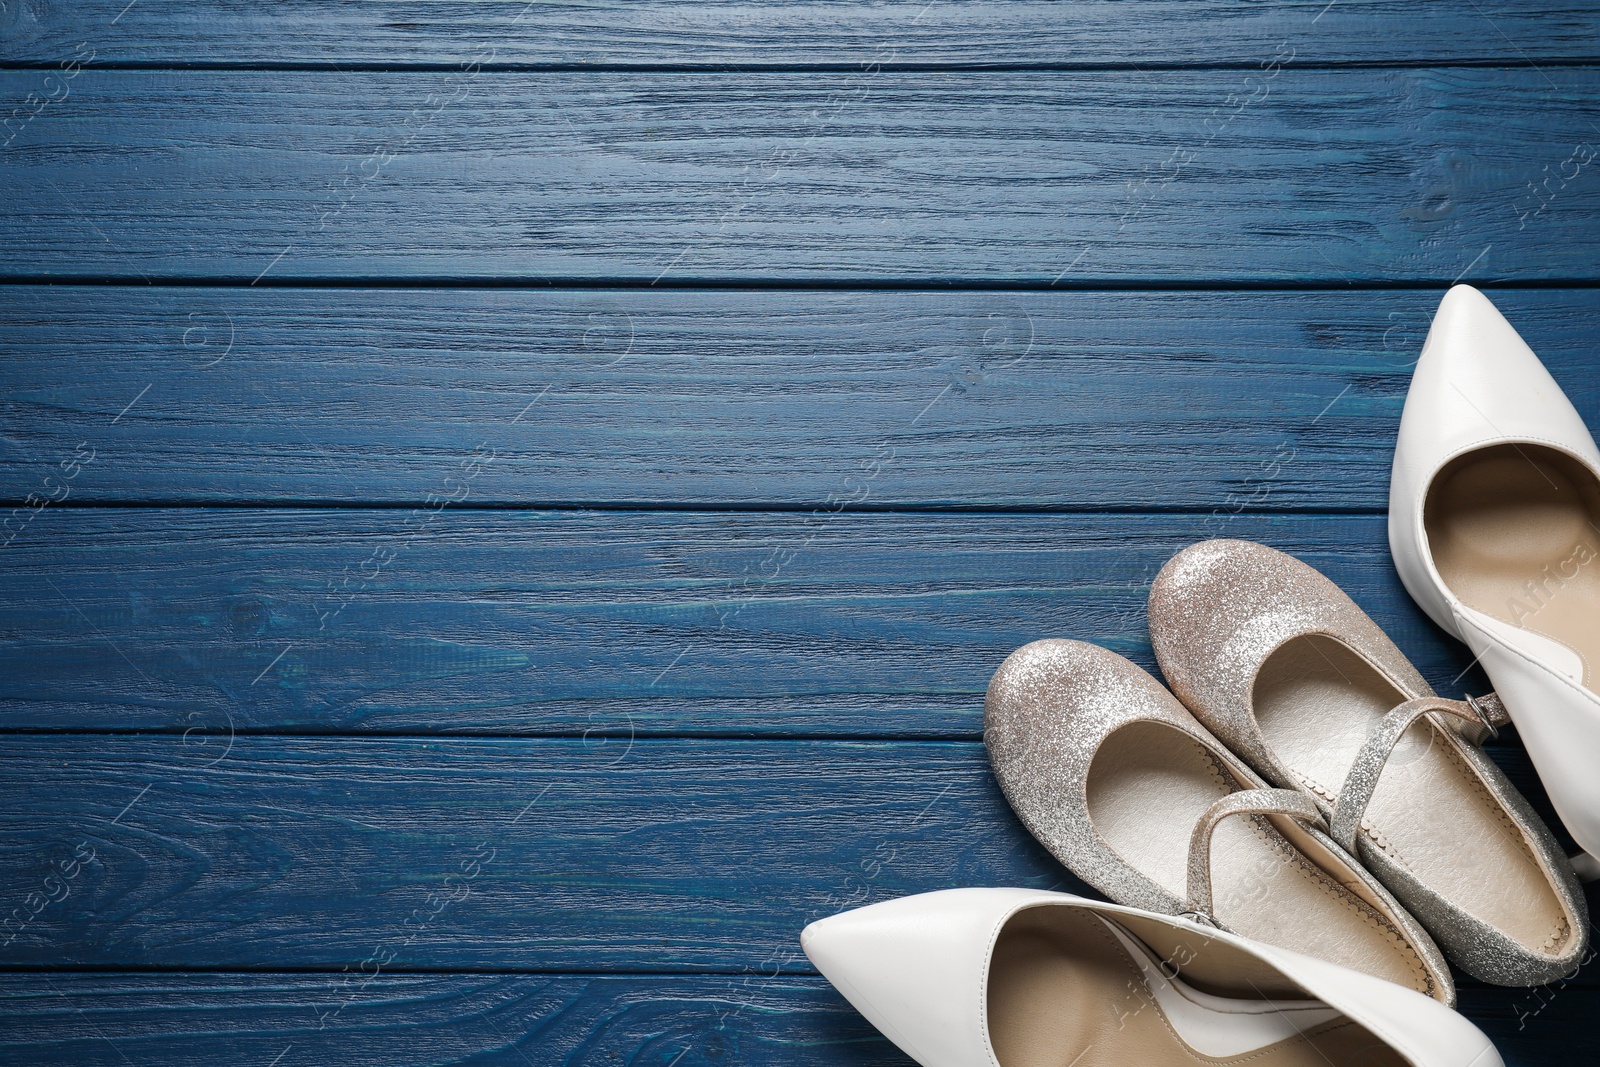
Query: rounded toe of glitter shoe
column 1123, row 786
column 1027, row 978
column 1494, row 523
column 1298, row 682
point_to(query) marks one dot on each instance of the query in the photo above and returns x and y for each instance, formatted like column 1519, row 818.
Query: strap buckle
column 1484, row 713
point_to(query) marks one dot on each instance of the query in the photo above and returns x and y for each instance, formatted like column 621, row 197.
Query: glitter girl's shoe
column 1298, row 682
column 1025, row 978
column 1116, row 779
column 1494, row 522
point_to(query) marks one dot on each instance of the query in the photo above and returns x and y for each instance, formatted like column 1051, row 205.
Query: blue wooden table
column 510, row 508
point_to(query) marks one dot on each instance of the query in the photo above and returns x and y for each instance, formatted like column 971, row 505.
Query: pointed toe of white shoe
column 1476, row 385
column 915, row 967
column 1028, row 978
column 1494, row 524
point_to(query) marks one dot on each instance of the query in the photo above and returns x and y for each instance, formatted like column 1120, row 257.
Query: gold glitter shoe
column 1123, row 786
column 1291, row 675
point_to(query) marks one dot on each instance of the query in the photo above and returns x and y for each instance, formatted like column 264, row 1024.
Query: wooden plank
column 310, row 1021
column 221, row 621
column 774, row 32
column 1334, row 177
column 1534, row 1027
column 550, row 855
column 181, row 1020
column 553, row 855
column 1071, row 400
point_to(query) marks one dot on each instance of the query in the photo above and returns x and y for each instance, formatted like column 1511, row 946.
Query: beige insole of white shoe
column 1317, row 701
column 1147, row 788
column 1515, row 533
column 1065, row 992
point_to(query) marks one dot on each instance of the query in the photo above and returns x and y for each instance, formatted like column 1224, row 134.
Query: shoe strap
column 1362, row 780
column 1289, row 802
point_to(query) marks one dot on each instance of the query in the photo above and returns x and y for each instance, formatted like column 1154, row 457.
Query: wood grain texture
column 575, row 1021
column 553, row 855
column 774, row 32
column 597, row 887
column 1073, row 400
column 548, row 855
column 1033, row 178
column 308, row 1020
column 619, row 623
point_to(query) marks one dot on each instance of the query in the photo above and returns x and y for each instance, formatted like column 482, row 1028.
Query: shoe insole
column 1515, row 533
column 1317, row 701
column 1147, row 788
column 1068, row 988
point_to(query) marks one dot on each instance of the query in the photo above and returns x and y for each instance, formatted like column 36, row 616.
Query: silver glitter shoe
column 1123, row 786
column 1291, row 675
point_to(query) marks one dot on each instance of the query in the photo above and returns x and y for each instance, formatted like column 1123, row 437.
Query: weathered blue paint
column 1295, row 176
column 1266, row 401
column 517, row 509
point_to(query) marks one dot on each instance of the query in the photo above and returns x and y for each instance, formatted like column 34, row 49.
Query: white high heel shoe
column 1494, row 523
column 1026, row 978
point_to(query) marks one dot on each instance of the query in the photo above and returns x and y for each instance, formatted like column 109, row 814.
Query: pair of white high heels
column 1495, row 529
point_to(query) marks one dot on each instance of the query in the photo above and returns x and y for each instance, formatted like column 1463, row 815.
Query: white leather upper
column 1425, row 1032
column 917, row 968
column 1478, row 384
column 1558, row 721
column 1221, row 1027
